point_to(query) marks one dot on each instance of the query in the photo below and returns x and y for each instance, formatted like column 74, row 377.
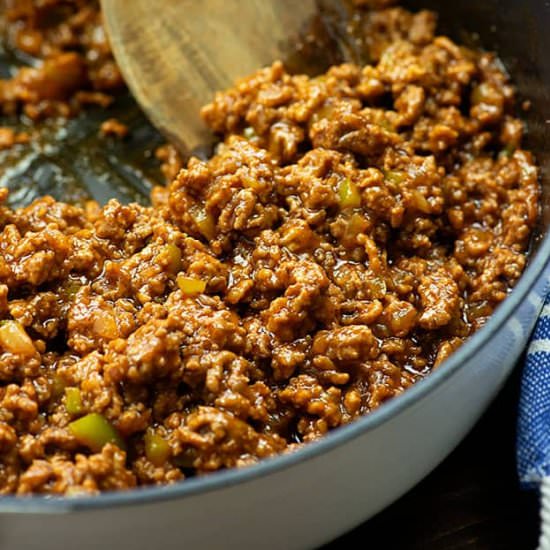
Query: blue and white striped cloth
column 533, row 443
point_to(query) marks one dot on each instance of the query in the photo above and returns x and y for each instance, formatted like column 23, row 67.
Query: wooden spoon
column 174, row 54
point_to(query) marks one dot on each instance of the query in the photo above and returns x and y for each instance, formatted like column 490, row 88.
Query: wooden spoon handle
column 175, row 53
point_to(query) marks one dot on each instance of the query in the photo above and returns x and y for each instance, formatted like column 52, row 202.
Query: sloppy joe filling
column 349, row 233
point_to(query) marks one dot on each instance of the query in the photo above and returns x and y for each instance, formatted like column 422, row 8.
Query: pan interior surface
column 518, row 31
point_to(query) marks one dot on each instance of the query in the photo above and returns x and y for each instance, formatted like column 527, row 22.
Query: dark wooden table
column 472, row 501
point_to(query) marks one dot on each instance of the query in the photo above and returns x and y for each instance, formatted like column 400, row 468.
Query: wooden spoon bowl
column 174, row 54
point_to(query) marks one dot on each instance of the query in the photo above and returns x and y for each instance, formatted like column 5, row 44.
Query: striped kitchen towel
column 533, row 444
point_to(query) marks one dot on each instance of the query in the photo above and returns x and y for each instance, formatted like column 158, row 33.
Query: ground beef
column 349, row 233
column 114, row 128
column 73, row 61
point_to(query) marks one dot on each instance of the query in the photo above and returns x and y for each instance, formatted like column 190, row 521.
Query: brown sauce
column 350, row 232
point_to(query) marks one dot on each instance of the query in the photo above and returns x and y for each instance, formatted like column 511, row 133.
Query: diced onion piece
column 57, row 386
column 94, row 431
column 73, row 401
column 72, row 288
column 190, row 286
column 348, row 194
column 14, row 339
column 172, row 257
column 157, row 449
column 105, row 325
column 249, row 133
column 420, row 202
column 357, row 224
column 206, row 223
column 394, row 176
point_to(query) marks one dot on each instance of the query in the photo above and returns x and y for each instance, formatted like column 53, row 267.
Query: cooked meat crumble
column 350, row 232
